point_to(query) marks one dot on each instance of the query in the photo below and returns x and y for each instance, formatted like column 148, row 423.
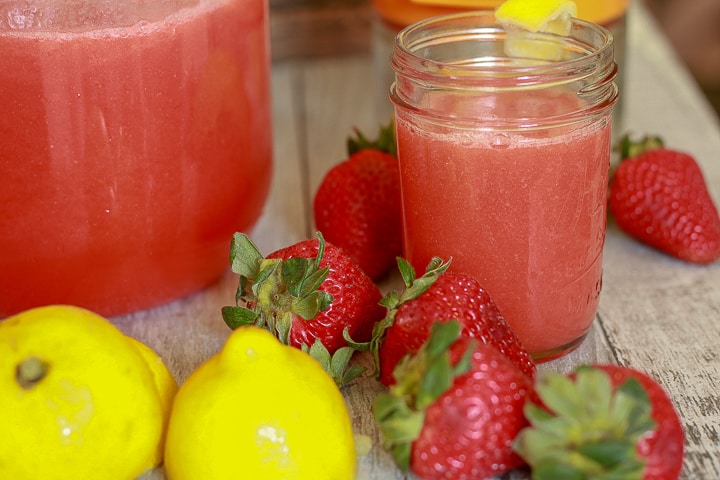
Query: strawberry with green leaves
column 308, row 295
column 357, row 205
column 440, row 296
column 602, row 422
column 455, row 410
column 659, row 196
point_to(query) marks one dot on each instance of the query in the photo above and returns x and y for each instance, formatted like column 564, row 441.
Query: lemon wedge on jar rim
column 524, row 18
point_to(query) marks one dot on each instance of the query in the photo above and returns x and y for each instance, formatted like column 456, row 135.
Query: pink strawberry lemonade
column 523, row 211
column 135, row 142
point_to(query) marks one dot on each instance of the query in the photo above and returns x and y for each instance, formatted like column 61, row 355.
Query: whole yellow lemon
column 78, row 399
column 259, row 410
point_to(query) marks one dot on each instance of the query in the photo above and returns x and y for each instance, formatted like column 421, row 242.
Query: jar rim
column 481, row 24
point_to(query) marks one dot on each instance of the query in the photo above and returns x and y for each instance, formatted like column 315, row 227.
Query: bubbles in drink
column 84, row 15
column 23, row 17
column 501, row 140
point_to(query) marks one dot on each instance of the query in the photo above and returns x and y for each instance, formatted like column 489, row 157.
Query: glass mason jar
column 136, row 140
column 504, row 165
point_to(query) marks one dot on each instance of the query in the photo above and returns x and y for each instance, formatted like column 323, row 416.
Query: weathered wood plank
column 287, row 214
column 339, row 96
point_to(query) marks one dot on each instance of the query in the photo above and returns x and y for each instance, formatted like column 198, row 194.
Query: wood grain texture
column 657, row 314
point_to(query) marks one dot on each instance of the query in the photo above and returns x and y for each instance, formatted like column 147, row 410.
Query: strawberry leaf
column 390, row 300
column 397, row 419
column 399, row 425
column 585, row 426
column 630, row 148
column 437, row 379
column 404, row 427
column 353, row 372
column 236, row 317
column 308, row 306
column 559, row 393
column 319, row 353
column 594, row 384
column 607, row 452
column 417, row 286
column 268, row 268
column 340, row 359
column 422, row 379
column 336, row 365
column 281, row 327
column 385, row 142
column 553, row 471
column 633, row 403
column 245, row 258
column 294, row 272
column 440, row 373
column 311, row 284
column 407, row 272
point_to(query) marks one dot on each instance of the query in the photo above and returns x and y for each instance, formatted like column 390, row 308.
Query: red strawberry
column 308, row 295
column 659, row 197
column 439, row 296
column 357, row 207
column 616, row 419
column 456, row 409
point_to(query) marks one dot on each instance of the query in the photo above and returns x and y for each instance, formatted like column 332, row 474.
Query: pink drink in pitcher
column 134, row 144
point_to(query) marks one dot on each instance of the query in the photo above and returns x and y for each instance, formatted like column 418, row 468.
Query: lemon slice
column 524, row 18
column 547, row 16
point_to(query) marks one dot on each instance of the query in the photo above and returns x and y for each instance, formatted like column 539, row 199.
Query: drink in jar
column 504, row 168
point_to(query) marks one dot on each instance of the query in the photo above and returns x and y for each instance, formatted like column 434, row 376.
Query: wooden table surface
column 656, row 313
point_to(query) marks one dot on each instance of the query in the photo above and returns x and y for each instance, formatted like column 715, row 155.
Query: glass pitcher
column 136, row 140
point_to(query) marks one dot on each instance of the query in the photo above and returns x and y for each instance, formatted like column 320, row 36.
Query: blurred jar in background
column 391, row 16
column 136, row 140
